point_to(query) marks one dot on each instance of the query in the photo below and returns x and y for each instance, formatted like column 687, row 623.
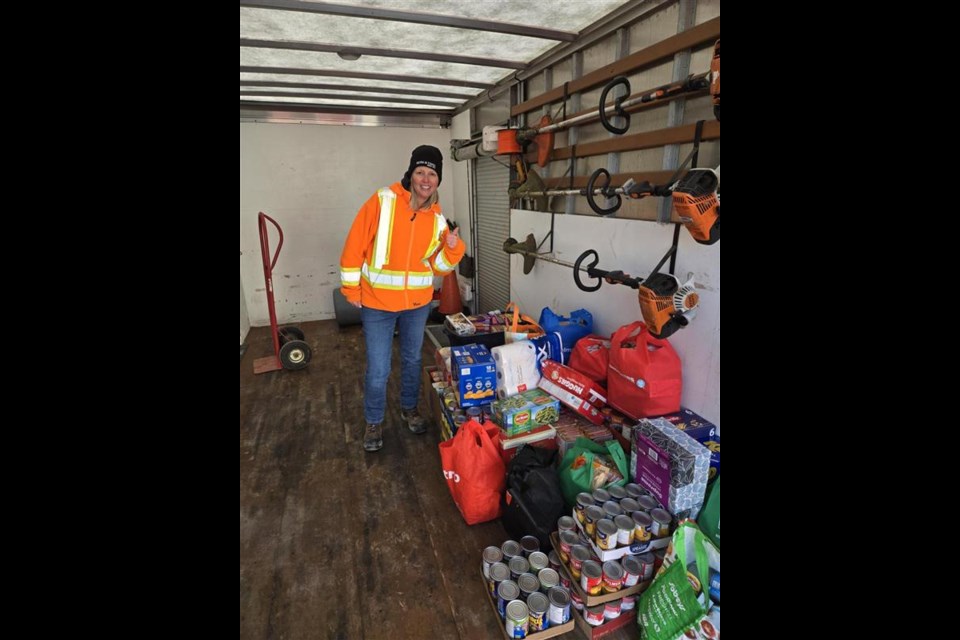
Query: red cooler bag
column 644, row 377
column 476, row 474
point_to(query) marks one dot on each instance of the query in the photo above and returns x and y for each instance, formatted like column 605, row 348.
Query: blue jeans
column 378, row 329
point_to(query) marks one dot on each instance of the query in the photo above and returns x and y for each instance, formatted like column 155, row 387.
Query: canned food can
column 584, row 500
column 715, row 586
column 647, row 503
column 518, row 565
column 642, row 523
column 575, row 600
column 506, row 592
column 548, row 579
column 474, row 413
column 498, row 573
column 594, row 615
column 632, row 570
column 648, row 563
column 578, row 555
column 566, row 523
column 528, row 584
column 617, row 493
column 593, row 513
column 661, row 523
column 567, row 540
column 611, row 509
column 624, row 530
column 633, row 490
column 606, row 534
column 491, row 555
column 559, row 611
column 629, row 505
column 611, row 610
column 600, row 496
column 591, row 577
column 627, row 603
column 612, row 577
column 518, row 619
column 554, row 558
column 510, row 549
column 537, row 605
column 529, row 544
column 538, row 560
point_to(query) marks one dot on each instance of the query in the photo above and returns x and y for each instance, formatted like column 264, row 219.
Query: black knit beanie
column 427, row 156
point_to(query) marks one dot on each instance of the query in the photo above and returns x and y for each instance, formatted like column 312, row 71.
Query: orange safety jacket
column 391, row 253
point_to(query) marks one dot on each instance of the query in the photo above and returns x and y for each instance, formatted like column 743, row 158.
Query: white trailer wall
column 312, row 180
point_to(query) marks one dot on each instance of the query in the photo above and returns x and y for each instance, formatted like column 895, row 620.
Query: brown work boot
column 373, row 438
column 414, row 420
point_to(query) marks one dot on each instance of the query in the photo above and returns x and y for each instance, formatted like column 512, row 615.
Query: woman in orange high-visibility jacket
column 398, row 242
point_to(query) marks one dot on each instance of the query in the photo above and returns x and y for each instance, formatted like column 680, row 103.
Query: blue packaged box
column 701, row 430
column 474, row 374
column 698, row 428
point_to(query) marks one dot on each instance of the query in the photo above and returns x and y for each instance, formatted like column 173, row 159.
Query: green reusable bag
column 679, row 596
column 578, row 475
column 709, row 518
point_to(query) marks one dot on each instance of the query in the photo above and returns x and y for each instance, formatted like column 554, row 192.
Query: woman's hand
column 358, row 305
column 452, row 238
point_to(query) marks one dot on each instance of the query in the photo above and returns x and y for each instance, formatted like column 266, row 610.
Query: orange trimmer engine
column 667, row 305
column 696, row 198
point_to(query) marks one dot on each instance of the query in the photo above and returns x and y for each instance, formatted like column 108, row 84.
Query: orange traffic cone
column 450, row 295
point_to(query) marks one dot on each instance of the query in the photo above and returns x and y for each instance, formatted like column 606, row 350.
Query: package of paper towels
column 516, row 368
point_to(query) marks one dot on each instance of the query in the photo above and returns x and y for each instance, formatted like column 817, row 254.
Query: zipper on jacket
column 406, row 275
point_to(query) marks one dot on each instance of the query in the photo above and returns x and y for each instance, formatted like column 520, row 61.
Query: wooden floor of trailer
column 339, row 543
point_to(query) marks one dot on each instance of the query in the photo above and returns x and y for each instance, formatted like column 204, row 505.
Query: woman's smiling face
column 424, row 182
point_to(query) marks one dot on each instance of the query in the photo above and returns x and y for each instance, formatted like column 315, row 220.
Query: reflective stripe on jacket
column 391, row 253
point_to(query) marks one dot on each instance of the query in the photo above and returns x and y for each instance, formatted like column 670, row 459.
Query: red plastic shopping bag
column 475, row 472
column 644, row 377
column 591, row 356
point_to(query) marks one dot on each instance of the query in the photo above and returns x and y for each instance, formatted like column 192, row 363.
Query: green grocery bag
column 709, row 518
column 679, row 596
column 584, row 468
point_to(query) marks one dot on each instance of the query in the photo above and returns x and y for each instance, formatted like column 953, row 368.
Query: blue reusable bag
column 561, row 334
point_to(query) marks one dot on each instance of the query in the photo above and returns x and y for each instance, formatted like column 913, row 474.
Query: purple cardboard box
column 701, row 430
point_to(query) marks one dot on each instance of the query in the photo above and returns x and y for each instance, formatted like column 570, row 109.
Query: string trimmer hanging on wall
column 665, row 303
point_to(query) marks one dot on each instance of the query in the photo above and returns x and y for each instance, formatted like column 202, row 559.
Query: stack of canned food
column 619, row 516
column 526, row 587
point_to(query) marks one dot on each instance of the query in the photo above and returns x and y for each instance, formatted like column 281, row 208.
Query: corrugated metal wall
column 493, row 227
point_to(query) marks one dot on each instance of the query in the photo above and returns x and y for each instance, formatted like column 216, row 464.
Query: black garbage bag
column 533, row 500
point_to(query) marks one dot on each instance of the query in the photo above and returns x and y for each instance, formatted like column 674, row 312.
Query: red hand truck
column 289, row 349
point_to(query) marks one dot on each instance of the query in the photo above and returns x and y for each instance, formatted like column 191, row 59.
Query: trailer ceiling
column 382, row 57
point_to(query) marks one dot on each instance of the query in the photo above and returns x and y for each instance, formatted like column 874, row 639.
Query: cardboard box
column 671, row 465
column 701, row 430
column 525, row 411
column 698, row 428
column 615, row 554
column 608, row 627
column 538, row 635
column 574, row 390
column 474, row 374
column 592, row 601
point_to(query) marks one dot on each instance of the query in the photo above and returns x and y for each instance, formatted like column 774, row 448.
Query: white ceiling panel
column 415, row 70
column 412, row 55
